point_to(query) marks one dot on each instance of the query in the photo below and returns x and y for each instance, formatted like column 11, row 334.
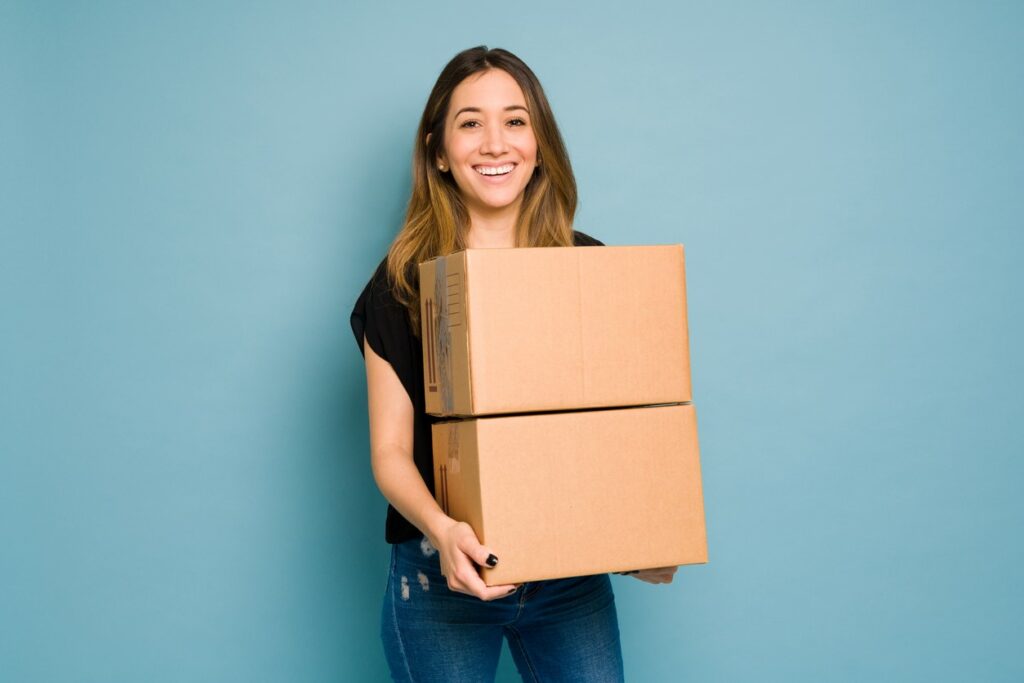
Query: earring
column 442, row 168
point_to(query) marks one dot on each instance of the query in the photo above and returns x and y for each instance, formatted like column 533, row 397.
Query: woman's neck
column 491, row 232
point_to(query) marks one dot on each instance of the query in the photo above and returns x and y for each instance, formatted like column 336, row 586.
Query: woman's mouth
column 504, row 169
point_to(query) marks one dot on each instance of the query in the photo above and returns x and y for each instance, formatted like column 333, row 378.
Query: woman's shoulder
column 372, row 286
column 379, row 315
column 381, row 284
column 378, row 294
column 582, row 239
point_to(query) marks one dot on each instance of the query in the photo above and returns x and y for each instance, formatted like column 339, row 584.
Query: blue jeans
column 559, row 630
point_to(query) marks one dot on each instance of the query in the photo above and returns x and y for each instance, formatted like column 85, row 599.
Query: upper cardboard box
column 555, row 328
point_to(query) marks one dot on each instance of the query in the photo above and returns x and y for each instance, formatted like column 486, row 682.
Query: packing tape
column 451, row 464
column 444, row 489
column 453, row 449
column 443, row 338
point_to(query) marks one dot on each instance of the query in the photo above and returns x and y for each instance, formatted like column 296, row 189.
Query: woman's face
column 490, row 146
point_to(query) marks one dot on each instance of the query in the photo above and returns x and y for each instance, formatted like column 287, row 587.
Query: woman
column 489, row 170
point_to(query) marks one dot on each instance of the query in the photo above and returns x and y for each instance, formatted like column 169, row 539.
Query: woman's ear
column 442, row 166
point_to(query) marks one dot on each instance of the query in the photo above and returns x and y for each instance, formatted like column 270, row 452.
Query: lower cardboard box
column 576, row 493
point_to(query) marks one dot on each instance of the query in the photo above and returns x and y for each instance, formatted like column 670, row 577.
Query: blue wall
column 192, row 197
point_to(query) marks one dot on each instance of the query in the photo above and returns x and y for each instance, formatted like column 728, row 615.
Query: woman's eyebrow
column 511, row 107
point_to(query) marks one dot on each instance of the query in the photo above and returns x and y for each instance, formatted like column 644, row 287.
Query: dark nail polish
column 491, row 560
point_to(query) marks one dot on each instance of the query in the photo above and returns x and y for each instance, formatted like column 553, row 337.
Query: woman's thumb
column 469, row 544
column 483, row 556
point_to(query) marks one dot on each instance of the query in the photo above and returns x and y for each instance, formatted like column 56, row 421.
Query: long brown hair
column 436, row 219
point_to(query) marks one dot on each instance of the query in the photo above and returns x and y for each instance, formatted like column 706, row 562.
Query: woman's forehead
column 492, row 89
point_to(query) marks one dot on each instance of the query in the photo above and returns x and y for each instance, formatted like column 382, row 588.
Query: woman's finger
column 480, row 554
column 471, row 584
column 467, row 580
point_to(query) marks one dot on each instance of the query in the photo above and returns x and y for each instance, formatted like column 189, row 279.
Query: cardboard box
column 556, row 328
column 576, row 493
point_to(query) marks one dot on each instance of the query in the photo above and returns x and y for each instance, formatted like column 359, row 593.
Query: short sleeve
column 582, row 239
column 385, row 322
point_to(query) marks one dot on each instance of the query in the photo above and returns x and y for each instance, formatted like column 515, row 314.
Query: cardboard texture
column 556, row 328
column 576, row 493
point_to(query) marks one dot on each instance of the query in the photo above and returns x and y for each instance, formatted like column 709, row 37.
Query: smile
column 494, row 170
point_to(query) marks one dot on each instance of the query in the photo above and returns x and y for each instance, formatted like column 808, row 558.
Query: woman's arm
column 391, row 448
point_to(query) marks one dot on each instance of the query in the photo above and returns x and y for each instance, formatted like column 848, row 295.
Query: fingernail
column 491, row 560
column 512, row 589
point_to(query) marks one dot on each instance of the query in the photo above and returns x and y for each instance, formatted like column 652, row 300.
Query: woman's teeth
column 494, row 170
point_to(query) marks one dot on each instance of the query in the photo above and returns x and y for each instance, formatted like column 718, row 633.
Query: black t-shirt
column 389, row 333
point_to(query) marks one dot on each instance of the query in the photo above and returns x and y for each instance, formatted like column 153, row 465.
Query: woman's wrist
column 435, row 525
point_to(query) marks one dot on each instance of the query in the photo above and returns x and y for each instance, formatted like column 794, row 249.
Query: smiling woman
column 486, row 110
column 491, row 150
column 489, row 170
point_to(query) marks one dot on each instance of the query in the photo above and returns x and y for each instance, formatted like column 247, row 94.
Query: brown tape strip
column 429, row 325
column 444, row 488
column 442, row 338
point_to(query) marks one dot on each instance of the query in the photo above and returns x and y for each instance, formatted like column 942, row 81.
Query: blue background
column 193, row 196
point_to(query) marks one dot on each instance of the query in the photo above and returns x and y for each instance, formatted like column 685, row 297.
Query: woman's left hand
column 659, row 575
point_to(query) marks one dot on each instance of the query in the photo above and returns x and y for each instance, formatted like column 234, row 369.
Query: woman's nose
column 494, row 141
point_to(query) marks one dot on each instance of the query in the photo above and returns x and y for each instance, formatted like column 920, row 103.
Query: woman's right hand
column 461, row 554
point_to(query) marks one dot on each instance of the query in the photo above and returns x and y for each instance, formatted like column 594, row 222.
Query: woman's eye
column 471, row 123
